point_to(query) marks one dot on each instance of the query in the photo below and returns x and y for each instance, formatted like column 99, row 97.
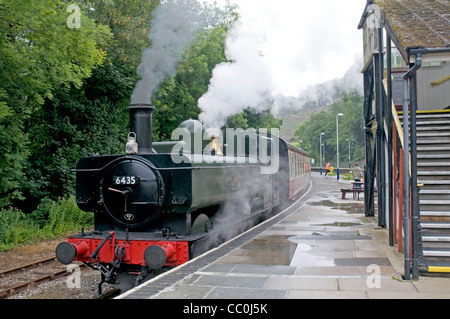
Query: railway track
column 15, row 280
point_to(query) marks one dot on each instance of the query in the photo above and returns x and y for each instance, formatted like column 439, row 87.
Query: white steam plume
column 280, row 48
column 235, row 85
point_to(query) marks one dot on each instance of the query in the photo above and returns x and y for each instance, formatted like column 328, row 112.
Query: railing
column 398, row 179
column 398, row 154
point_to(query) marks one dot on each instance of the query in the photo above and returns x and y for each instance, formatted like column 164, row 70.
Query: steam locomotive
column 161, row 204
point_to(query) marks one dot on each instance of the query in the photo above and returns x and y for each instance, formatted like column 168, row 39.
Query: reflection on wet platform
column 324, row 237
column 352, row 208
column 266, row 250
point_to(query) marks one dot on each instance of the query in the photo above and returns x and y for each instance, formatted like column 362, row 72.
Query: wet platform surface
column 322, row 247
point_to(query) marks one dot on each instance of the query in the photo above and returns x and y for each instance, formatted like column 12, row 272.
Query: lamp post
column 349, row 163
column 337, row 143
column 320, row 148
column 323, row 153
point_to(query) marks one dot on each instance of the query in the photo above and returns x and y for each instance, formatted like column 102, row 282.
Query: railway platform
column 322, row 247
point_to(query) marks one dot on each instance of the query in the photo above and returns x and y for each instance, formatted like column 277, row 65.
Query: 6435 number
column 126, row 180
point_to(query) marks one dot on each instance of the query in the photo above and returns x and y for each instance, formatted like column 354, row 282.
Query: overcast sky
column 304, row 42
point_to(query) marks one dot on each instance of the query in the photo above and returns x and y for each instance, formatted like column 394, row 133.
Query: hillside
column 295, row 111
column 293, row 120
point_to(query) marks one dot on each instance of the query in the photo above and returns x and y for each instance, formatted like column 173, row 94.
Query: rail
column 16, row 288
column 27, row 266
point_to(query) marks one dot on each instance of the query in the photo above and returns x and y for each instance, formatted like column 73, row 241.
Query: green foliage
column 129, row 22
column 40, row 52
column 40, row 55
column 15, row 228
column 350, row 127
column 51, row 220
column 64, row 216
column 253, row 119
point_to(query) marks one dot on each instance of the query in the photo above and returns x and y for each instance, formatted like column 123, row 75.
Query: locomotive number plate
column 126, row 180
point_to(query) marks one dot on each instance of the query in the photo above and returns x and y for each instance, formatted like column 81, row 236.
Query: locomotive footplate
column 114, row 252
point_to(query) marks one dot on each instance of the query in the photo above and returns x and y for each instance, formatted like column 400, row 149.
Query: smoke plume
column 174, row 26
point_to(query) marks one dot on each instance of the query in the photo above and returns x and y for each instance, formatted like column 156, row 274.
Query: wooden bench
column 355, row 191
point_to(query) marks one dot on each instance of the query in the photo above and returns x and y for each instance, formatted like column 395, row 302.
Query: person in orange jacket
column 327, row 169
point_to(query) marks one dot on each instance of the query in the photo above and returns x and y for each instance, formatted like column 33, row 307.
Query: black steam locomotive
column 161, row 204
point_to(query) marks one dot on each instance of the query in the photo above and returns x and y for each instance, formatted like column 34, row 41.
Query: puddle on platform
column 352, row 208
column 339, row 224
column 304, row 258
column 267, row 250
column 331, row 235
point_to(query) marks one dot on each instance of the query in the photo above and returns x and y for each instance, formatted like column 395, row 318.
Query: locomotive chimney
column 141, row 125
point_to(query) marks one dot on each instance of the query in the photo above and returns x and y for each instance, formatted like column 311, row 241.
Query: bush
column 16, row 229
column 51, row 220
column 64, row 217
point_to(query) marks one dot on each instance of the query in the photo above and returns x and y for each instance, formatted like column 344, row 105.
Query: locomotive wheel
column 201, row 224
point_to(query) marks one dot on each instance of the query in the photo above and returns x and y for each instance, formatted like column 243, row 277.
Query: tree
column 350, row 127
column 39, row 54
column 251, row 118
column 93, row 117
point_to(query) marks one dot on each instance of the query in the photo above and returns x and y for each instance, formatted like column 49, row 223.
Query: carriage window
column 298, row 165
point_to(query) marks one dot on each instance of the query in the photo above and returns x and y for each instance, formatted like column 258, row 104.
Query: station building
column 407, row 127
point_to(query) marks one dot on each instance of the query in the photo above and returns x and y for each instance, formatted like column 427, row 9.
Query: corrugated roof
column 418, row 23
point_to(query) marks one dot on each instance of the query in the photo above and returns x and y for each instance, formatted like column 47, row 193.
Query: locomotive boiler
column 161, row 204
